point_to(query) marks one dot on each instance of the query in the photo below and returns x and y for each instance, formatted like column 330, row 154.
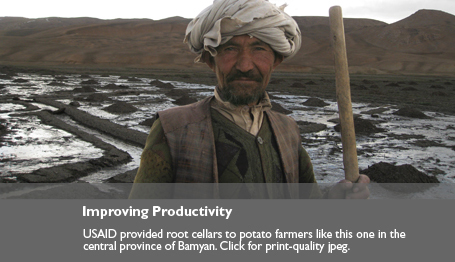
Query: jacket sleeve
column 156, row 163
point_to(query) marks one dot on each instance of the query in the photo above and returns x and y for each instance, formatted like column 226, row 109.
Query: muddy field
column 90, row 125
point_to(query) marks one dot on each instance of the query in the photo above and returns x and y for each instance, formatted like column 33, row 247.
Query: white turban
column 225, row 19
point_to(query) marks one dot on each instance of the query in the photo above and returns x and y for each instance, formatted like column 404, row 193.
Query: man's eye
column 259, row 48
column 229, row 48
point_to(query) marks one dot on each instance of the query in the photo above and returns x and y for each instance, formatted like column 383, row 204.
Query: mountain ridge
column 422, row 43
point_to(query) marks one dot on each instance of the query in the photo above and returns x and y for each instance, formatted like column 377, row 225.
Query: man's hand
column 345, row 189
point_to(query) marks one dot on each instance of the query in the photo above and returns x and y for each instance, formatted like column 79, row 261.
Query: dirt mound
column 410, row 112
column 426, row 143
column 20, row 80
column 309, row 127
column 316, row 102
column 148, row 122
column 84, row 89
column 438, row 93
column 89, row 82
column 361, row 87
column 389, row 173
column 177, row 93
column 393, row 84
column 120, row 108
column 127, row 177
column 97, row 97
column 114, row 86
column 280, row 109
column 185, row 100
column 298, row 85
column 276, row 81
column 362, row 127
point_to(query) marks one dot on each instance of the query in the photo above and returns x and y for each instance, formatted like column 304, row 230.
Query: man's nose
column 244, row 62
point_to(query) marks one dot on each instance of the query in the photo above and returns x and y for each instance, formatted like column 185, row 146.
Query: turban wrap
column 225, row 19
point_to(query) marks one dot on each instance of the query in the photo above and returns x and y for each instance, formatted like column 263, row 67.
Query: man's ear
column 278, row 59
column 207, row 58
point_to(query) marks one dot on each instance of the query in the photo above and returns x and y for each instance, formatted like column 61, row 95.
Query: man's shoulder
column 280, row 116
column 177, row 117
column 186, row 110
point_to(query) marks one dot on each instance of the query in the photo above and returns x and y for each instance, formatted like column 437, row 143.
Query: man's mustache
column 250, row 75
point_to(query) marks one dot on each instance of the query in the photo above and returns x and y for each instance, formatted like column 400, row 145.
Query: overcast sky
column 384, row 10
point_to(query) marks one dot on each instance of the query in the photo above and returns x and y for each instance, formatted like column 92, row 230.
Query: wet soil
column 409, row 96
column 362, row 127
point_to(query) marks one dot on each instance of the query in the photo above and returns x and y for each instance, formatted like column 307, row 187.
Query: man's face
column 243, row 67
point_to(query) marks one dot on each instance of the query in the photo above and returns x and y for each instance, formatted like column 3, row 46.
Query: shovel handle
column 343, row 91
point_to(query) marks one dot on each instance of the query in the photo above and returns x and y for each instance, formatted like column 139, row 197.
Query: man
column 234, row 136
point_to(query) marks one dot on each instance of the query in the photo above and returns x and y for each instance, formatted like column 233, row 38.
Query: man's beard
column 242, row 94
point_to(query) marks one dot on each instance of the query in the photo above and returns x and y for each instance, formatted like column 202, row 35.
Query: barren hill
column 422, row 43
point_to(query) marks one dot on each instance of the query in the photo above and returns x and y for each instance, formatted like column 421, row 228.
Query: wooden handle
column 351, row 167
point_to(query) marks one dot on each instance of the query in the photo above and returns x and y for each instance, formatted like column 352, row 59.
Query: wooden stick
column 351, row 168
